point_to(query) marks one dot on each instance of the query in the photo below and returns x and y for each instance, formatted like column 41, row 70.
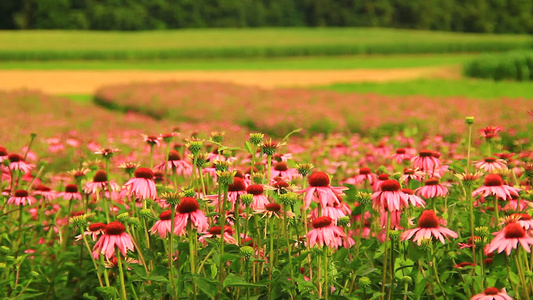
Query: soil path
column 85, row 81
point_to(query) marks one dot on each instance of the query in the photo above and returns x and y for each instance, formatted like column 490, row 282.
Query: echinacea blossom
column 428, row 226
column 523, row 219
column 114, row 236
column 426, row 161
column 412, row 174
column 94, row 230
column 509, row 237
column 189, row 213
column 175, row 163
column 493, row 185
column 70, row 193
column 107, row 152
column 99, row 183
column 235, row 190
column 432, row 189
column 324, row 233
column 21, row 197
column 17, row 163
column 492, row 293
column 320, row 191
column 283, row 171
column 45, row 192
column 214, row 233
column 163, row 225
column 389, row 198
column 151, row 139
column 490, row 132
column 3, row 154
column 491, row 164
column 376, row 186
column 412, row 198
column 274, row 210
column 365, row 175
column 400, row 156
column 142, row 185
column 259, row 199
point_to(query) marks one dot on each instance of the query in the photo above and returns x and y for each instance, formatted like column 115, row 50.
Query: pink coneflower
column 412, row 174
column 235, row 190
column 99, row 183
column 151, row 140
column 259, row 199
column 142, row 185
column 493, row 185
column 17, row 163
column 412, row 198
column 163, row 225
column 3, row 154
column 523, row 219
column 55, row 145
column 400, row 156
column 509, row 237
column 490, row 132
column 282, row 170
column 21, row 197
column 389, row 198
column 492, row 293
column 432, row 189
column 107, row 152
column 274, row 210
column 325, row 233
column 94, row 231
column 428, row 226
column 491, row 164
column 114, row 236
column 426, row 161
column 320, row 191
column 395, row 218
column 47, row 193
column 365, row 174
column 376, row 186
column 182, row 167
column 215, row 231
column 189, row 213
column 70, row 193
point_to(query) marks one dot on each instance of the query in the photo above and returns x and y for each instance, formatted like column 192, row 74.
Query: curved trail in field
column 87, row 81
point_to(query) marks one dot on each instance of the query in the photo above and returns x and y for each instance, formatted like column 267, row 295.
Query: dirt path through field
column 84, row 82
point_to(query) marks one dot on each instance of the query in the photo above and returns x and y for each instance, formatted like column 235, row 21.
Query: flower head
column 494, row 185
column 389, row 198
column 490, row 132
column 21, row 197
column 190, row 213
column 325, row 233
column 320, row 191
column 492, row 293
column 509, row 237
column 142, row 185
column 114, row 236
column 428, row 226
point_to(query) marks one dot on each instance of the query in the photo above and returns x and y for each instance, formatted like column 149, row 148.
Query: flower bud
column 256, row 138
column 288, row 199
column 469, row 120
column 123, row 218
column 304, row 169
column 247, row 252
column 147, row 214
column 365, row 282
column 247, row 199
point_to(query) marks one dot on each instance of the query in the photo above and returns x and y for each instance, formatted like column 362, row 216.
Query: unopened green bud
column 123, row 218
column 469, row 120
column 364, row 198
column 172, row 198
column 247, row 199
column 256, row 138
column 5, row 250
column 269, row 148
column 452, row 255
column 134, row 222
column 344, row 221
column 147, row 214
column 217, row 137
column 288, row 199
column 35, row 274
column 247, row 251
column 226, row 178
column 79, row 221
column 191, row 193
column 365, row 282
column 394, row 235
column 426, row 244
column 221, row 165
column 482, row 231
column 407, row 279
column 195, row 146
column 304, row 169
column 257, row 178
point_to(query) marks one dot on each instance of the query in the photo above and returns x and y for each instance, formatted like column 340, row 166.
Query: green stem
column 171, row 249
column 92, row 258
column 121, row 272
column 222, row 231
column 385, row 256
column 192, row 256
column 326, row 271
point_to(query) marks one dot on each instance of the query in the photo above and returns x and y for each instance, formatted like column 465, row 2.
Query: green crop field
column 471, row 88
column 267, row 42
column 285, row 63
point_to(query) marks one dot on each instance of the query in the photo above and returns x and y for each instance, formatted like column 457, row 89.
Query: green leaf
column 89, row 297
column 107, row 292
column 234, row 280
column 286, row 138
column 208, row 286
column 514, row 278
column 304, row 286
column 248, row 147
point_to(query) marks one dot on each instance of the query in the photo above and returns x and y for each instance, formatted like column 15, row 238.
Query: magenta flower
column 99, row 183
column 412, row 174
column 214, row 233
column 235, row 190
column 426, row 161
column 94, row 231
column 47, row 193
column 324, row 233
column 189, row 213
column 21, row 197
column 259, row 199
column 320, row 191
column 389, row 198
column 70, row 193
column 115, row 236
column 142, row 185
column 17, row 163
column 509, row 237
column 493, row 185
column 282, row 170
column 163, row 225
column 432, row 189
column 412, row 198
column 400, row 156
column 428, row 226
column 491, row 164
column 175, row 162
column 490, row 132
column 365, row 174
column 492, row 293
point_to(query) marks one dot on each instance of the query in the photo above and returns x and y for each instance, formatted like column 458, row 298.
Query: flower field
column 218, row 194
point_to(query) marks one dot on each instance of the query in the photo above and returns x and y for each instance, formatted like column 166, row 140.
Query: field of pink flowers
column 97, row 204
column 282, row 110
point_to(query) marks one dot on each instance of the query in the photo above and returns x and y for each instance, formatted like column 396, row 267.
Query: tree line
column 490, row 16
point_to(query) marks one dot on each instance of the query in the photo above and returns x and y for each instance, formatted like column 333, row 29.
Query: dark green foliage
column 494, row 16
column 507, row 66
